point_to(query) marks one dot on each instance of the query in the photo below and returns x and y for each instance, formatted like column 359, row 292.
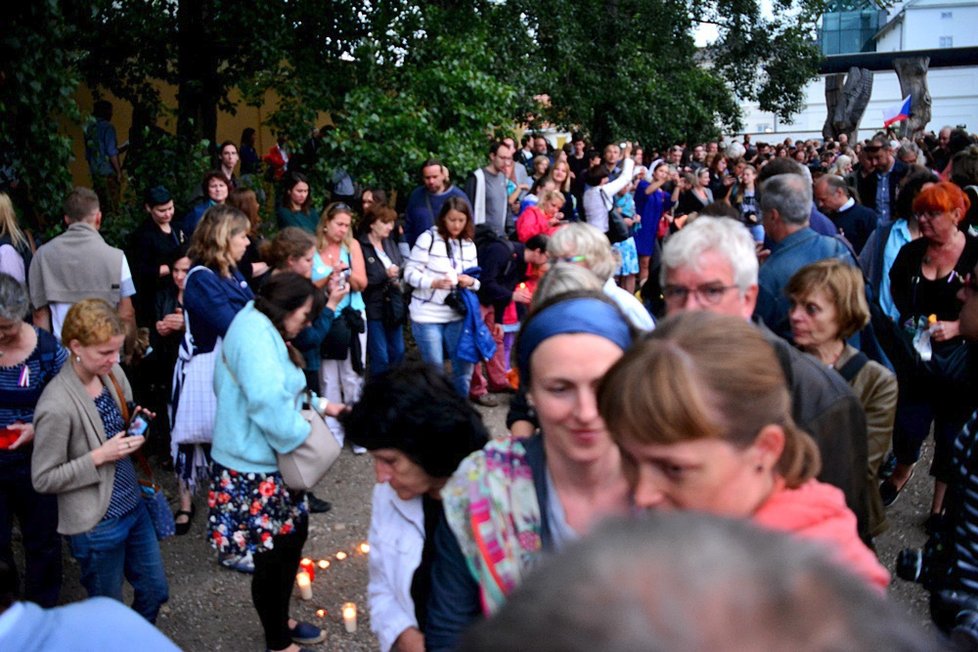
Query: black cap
column 156, row 195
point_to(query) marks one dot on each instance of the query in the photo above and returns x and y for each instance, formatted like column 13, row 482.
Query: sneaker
column 242, row 563
column 318, row 505
column 307, row 634
column 358, row 450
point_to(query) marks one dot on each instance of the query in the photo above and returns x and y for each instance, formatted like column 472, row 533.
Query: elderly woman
column 260, row 386
column 585, row 245
column 828, row 305
column 344, row 348
column 31, row 358
column 436, row 268
column 214, row 292
column 517, row 498
column 82, row 454
column 703, row 425
column 418, row 430
column 384, row 300
column 924, row 281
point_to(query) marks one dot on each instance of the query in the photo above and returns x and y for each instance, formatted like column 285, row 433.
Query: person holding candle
column 516, row 499
column 258, row 378
column 29, row 358
column 705, row 426
column 418, row 429
column 82, row 454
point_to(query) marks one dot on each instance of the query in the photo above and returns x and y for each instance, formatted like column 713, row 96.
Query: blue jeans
column 385, row 346
column 438, row 341
column 123, row 546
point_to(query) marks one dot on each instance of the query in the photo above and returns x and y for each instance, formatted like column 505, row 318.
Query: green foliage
column 165, row 162
column 36, row 88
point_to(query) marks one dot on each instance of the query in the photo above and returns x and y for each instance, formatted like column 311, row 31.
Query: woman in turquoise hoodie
column 259, row 385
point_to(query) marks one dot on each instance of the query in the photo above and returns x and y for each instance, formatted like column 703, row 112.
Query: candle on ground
column 350, row 617
column 305, row 585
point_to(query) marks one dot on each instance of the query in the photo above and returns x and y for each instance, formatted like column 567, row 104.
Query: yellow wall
column 229, row 127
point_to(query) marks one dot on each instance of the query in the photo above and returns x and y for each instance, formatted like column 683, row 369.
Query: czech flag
column 897, row 112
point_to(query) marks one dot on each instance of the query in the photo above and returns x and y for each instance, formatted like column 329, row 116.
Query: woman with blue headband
column 517, row 498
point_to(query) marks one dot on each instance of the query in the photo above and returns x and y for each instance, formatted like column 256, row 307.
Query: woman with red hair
column 924, row 281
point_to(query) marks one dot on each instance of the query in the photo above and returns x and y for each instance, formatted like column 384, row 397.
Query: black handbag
column 617, row 229
column 455, row 302
column 395, row 310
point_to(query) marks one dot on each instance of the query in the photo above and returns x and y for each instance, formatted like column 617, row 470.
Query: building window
column 947, row 42
column 946, row 15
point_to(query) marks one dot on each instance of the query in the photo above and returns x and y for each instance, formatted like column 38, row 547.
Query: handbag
column 455, row 301
column 151, row 492
column 197, row 403
column 394, row 309
column 305, row 466
column 617, row 230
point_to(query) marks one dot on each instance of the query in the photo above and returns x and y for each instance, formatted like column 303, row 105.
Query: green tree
column 37, row 83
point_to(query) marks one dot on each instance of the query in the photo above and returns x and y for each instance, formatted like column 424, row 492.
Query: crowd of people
column 753, row 333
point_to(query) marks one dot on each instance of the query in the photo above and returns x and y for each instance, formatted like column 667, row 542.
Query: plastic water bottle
column 921, row 340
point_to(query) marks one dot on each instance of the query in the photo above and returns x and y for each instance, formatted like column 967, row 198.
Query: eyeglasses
column 708, row 294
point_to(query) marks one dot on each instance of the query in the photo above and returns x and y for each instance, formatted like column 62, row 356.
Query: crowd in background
column 755, row 331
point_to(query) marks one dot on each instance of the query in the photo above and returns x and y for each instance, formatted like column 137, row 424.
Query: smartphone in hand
column 138, row 425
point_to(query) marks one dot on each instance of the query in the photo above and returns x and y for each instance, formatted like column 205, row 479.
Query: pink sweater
column 818, row 511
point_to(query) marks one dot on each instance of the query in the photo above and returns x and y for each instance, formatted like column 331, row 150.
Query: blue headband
column 583, row 315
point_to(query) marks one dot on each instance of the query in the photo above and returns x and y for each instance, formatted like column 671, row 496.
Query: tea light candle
column 341, row 555
column 320, row 613
column 305, row 585
column 323, row 564
column 365, row 548
column 350, row 617
column 307, row 566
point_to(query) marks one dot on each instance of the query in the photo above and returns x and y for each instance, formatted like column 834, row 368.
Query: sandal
column 183, row 528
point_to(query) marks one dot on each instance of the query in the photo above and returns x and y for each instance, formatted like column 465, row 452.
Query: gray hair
column 839, row 165
column 721, row 235
column 562, row 278
column 582, row 239
column 790, row 195
column 14, row 303
column 690, row 581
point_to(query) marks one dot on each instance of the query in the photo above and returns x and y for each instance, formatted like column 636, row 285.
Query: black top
column 150, row 247
column 916, row 296
column 377, row 280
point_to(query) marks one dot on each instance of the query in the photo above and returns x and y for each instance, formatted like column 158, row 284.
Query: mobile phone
column 138, row 425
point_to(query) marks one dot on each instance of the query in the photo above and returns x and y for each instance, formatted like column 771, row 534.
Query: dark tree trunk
column 912, row 73
column 846, row 97
column 197, row 74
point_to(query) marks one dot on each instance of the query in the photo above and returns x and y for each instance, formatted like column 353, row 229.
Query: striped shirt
column 125, row 488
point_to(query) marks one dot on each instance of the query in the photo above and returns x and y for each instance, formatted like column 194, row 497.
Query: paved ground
column 210, row 608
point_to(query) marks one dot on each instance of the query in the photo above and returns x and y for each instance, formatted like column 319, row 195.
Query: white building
column 911, row 25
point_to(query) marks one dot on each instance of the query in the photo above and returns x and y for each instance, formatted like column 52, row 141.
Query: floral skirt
column 248, row 509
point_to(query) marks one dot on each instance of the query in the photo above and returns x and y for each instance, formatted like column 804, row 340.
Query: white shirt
column 396, row 541
column 632, row 307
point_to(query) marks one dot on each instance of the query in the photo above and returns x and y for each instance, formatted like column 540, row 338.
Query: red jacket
column 533, row 221
column 818, row 511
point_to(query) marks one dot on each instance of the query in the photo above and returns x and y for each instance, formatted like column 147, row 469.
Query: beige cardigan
column 67, row 428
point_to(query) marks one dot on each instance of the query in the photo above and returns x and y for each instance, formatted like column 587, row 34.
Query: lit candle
column 320, row 613
column 341, row 555
column 323, row 564
column 307, row 566
column 365, row 547
column 350, row 617
column 305, row 585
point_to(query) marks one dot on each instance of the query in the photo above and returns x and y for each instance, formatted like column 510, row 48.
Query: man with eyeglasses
column 711, row 265
column 486, row 190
